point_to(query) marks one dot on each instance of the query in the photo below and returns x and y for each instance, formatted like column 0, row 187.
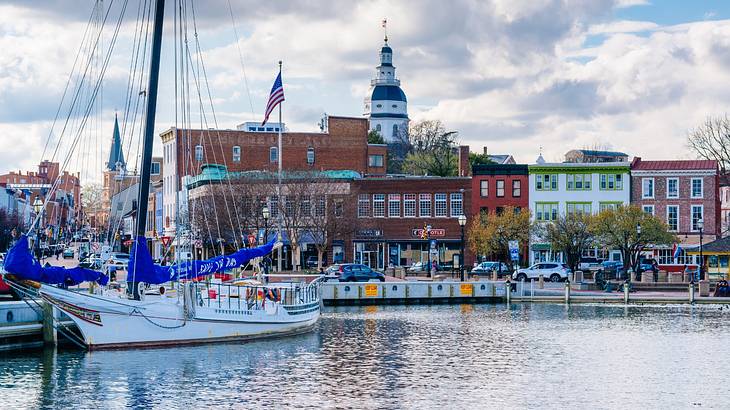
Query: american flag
column 275, row 98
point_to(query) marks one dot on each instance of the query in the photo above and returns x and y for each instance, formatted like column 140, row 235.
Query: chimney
column 485, row 150
column 463, row 164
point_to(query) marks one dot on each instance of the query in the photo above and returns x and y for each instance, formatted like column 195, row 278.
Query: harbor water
column 420, row 357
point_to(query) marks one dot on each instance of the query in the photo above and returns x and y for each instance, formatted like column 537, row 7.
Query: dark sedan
column 353, row 272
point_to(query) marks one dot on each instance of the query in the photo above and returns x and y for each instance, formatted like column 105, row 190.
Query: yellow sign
column 467, row 289
column 371, row 291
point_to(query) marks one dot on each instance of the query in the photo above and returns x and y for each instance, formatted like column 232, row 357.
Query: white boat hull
column 108, row 322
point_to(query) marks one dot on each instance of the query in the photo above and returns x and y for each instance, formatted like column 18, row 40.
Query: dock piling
column 50, row 336
column 567, row 292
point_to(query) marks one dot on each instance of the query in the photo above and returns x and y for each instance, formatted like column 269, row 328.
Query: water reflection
column 479, row 356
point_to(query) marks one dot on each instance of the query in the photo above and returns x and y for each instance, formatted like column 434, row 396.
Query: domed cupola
column 386, row 105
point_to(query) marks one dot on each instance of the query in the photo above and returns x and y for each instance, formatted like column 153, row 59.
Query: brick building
column 343, row 146
column 392, row 212
column 680, row 192
column 495, row 186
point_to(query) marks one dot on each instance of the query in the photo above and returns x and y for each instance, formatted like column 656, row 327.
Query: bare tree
column 92, row 200
column 711, row 140
column 336, row 221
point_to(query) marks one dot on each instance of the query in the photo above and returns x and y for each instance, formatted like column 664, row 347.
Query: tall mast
column 149, row 127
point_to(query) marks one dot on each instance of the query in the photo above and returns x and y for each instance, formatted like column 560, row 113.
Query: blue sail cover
column 142, row 269
column 20, row 262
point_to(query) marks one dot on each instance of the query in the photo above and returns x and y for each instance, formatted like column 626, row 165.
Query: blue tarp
column 21, row 263
column 142, row 269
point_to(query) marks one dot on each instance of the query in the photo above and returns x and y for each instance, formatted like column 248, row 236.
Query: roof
column 602, row 153
column 500, row 158
column 499, row 169
column 386, row 49
column 388, row 93
column 115, row 153
column 673, row 165
column 720, row 245
column 618, row 164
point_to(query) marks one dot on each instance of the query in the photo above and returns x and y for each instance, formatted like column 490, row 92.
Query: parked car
column 416, row 267
column 590, row 264
column 612, row 270
column 486, row 268
column 68, row 253
column 552, row 271
column 310, row 262
column 354, row 272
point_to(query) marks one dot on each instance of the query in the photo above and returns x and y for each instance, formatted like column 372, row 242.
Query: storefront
column 371, row 249
column 716, row 255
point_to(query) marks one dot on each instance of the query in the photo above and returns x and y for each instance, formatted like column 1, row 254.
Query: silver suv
column 552, row 271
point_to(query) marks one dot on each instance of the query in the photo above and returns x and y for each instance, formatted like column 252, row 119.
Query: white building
column 562, row 188
column 386, row 106
column 253, row 126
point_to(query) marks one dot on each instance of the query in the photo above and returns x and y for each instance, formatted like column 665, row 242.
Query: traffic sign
column 165, row 240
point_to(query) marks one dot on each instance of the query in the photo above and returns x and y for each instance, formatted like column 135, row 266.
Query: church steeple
column 116, row 157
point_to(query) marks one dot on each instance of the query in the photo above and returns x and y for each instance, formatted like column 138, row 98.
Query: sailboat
column 195, row 312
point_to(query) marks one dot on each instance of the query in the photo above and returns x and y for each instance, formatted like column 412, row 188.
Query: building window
column 647, row 187
column 649, row 209
column 672, row 188
column 273, row 154
column 484, row 188
column 339, row 207
column 516, row 188
column 394, row 205
column 439, row 205
column 697, row 188
column 457, row 202
column 424, row 205
column 236, row 154
column 310, row 155
column 602, row 206
column 409, row 205
column 375, row 161
column 198, row 152
column 546, row 182
column 274, row 206
column 363, row 206
column 379, row 205
column 578, row 208
column 378, row 128
column 611, row 182
column 579, row 182
column 320, row 205
column 500, row 188
column 395, row 130
column 673, row 217
column 696, row 216
column 155, row 168
column 305, row 206
column 289, row 205
column 546, row 211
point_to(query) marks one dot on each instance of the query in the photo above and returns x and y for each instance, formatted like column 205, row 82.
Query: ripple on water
column 480, row 356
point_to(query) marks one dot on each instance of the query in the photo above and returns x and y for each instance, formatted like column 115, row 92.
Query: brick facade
column 394, row 240
column 489, row 201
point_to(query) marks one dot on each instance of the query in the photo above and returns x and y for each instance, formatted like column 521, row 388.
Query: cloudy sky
column 516, row 76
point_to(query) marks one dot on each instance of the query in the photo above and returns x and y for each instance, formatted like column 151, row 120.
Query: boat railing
column 254, row 297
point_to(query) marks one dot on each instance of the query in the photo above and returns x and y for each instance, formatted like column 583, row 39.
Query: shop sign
column 369, row 233
column 466, row 289
column 371, row 290
column 434, row 232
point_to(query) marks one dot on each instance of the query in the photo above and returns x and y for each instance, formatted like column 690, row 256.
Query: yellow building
column 716, row 255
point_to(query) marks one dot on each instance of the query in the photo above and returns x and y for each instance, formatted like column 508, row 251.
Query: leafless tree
column 711, row 140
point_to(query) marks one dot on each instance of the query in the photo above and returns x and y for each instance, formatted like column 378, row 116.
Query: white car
column 552, row 271
column 416, row 267
column 489, row 267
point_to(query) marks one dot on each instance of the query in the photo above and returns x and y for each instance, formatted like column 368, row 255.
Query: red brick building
column 681, row 193
column 343, row 146
column 392, row 212
column 495, row 186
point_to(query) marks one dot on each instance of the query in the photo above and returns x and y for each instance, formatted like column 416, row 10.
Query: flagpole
column 278, row 186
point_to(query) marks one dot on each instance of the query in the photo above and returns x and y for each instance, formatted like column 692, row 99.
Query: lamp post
column 701, row 226
column 462, row 223
column 266, row 214
column 428, row 247
column 38, row 208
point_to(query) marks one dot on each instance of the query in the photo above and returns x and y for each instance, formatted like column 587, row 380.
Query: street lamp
column 266, row 214
column 701, row 226
column 462, row 223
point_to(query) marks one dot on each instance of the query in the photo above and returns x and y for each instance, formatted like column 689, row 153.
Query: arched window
column 236, row 154
column 310, row 156
column 198, row 152
column 395, row 130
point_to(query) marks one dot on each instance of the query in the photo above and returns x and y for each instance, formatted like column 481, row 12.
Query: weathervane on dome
column 385, row 29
